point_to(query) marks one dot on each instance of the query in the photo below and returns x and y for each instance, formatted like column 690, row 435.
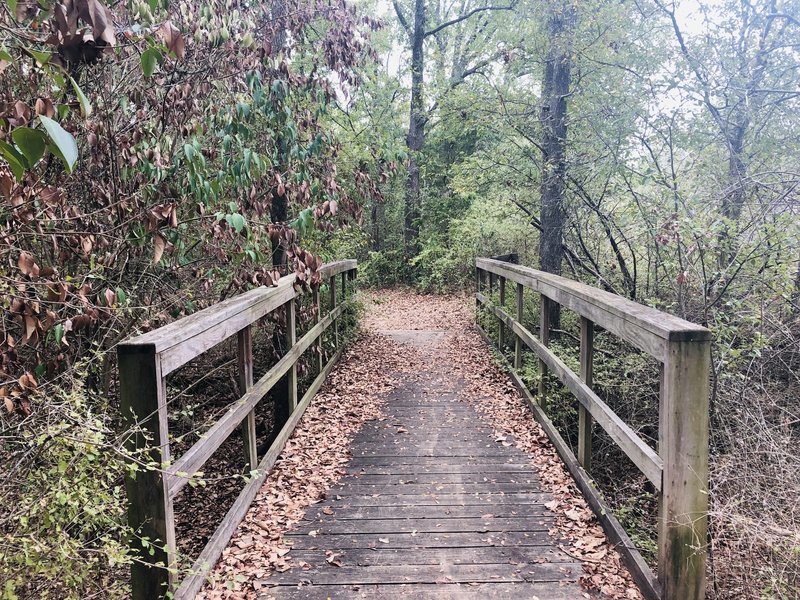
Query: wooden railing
column 144, row 363
column 679, row 470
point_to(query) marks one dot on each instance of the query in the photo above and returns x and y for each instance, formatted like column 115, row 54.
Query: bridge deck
column 432, row 506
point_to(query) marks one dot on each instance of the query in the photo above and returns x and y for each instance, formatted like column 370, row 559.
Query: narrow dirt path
column 426, row 477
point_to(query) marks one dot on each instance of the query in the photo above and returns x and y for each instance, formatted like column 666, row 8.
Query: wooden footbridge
column 433, row 497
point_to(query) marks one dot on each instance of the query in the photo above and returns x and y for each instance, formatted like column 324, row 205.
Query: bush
column 63, row 531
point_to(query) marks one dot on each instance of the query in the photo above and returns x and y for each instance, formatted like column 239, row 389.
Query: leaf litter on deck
column 317, row 453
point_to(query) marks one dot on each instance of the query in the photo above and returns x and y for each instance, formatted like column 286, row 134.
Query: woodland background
column 157, row 157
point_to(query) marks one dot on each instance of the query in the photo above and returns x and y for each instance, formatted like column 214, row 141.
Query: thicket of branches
column 649, row 148
column 155, row 157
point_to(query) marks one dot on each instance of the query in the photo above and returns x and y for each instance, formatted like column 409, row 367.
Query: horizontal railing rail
column 679, row 469
column 144, row 363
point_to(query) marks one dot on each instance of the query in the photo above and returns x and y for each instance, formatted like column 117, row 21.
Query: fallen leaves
column 313, row 459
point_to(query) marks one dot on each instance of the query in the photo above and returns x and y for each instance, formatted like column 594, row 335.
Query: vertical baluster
column 291, row 334
column 501, row 333
column 518, row 340
column 244, row 363
column 544, row 336
column 584, row 418
column 333, row 306
column 315, row 299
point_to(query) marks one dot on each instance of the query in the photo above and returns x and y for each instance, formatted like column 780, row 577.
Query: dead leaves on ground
column 314, row 458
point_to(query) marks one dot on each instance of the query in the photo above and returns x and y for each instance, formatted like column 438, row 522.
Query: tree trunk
column 416, row 133
column 555, row 89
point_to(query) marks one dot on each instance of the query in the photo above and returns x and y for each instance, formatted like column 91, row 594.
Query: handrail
column 144, row 363
column 679, row 470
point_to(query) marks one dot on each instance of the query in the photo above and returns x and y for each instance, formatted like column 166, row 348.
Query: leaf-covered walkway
column 419, row 473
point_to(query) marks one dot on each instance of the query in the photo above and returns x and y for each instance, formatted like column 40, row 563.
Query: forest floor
column 319, row 455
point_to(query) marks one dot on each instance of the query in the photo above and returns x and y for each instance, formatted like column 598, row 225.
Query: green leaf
column 31, row 143
column 4, row 55
column 63, row 144
column 58, row 333
column 236, row 221
column 15, row 160
column 150, row 58
column 121, row 296
column 12, row 5
column 41, row 57
column 86, row 107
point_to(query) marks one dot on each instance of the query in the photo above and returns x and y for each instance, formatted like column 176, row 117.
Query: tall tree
column 555, row 90
column 417, row 32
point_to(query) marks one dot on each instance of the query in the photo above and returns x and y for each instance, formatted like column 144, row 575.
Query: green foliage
column 63, row 526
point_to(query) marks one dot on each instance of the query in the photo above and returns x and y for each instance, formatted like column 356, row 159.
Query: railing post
column 501, row 333
column 244, row 359
column 318, row 346
column 150, row 514
column 291, row 376
column 584, row 417
column 683, row 446
column 518, row 340
column 333, row 306
column 544, row 337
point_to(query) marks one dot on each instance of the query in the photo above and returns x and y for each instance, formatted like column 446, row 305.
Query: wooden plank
column 484, row 499
column 346, row 512
column 194, row 458
column 428, row 556
column 584, row 417
column 470, row 539
column 644, row 457
column 644, row 327
column 413, row 489
column 442, row 590
column 683, row 441
column 397, row 574
column 431, row 478
column 244, row 362
column 641, row 572
column 210, row 554
column 150, row 514
column 383, row 527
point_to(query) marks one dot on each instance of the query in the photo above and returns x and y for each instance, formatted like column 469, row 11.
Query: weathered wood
column 544, row 337
column 187, row 338
column 584, row 417
column 300, row 540
column 431, row 556
column 244, row 361
column 291, row 376
column 501, row 333
column 332, row 286
column 641, row 572
column 210, row 554
column 194, row 458
column 144, row 362
column 409, row 574
column 642, row 455
column 646, row 328
column 521, row 320
column 683, row 443
column 441, row 590
column 315, row 299
column 150, row 514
